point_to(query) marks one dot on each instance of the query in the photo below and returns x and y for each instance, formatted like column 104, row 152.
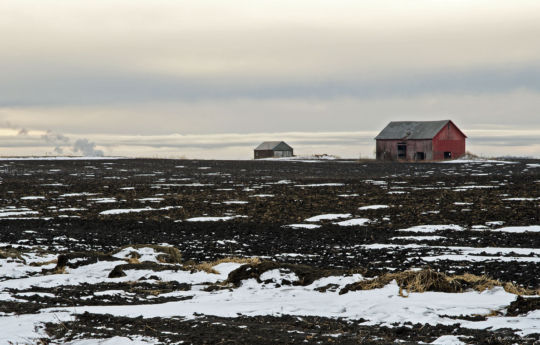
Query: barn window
column 448, row 155
column 402, row 151
column 420, row 156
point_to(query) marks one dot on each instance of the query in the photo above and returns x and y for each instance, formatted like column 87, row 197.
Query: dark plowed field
column 486, row 213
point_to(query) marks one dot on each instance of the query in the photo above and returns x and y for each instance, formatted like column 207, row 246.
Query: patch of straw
column 430, row 280
column 133, row 261
column 39, row 264
column 11, row 253
column 59, row 270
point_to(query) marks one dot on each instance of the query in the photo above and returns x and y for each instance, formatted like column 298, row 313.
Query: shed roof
column 273, row 145
column 412, row 129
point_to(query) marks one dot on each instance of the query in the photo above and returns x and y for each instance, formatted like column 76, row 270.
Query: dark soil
column 272, row 330
column 306, row 274
column 523, row 305
column 70, row 225
column 79, row 295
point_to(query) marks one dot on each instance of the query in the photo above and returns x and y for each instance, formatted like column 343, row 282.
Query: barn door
column 402, row 151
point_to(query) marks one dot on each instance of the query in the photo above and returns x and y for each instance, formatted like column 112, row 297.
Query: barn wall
column 449, row 139
column 414, row 146
column 388, row 149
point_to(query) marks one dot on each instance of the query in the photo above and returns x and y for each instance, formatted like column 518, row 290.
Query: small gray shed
column 270, row 149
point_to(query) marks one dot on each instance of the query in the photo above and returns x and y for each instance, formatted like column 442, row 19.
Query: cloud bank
column 89, row 72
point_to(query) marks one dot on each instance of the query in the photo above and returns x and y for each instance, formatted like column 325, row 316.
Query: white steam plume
column 60, row 141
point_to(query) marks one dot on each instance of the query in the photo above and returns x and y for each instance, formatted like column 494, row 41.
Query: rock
column 117, row 272
column 62, row 261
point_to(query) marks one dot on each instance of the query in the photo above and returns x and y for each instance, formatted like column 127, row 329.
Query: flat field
column 147, row 251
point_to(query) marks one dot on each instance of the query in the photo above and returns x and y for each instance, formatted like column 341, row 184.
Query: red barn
column 420, row 140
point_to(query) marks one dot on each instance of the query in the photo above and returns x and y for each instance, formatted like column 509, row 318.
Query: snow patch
column 373, row 207
column 329, row 216
column 354, row 222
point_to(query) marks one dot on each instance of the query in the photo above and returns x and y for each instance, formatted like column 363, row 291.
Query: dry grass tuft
column 482, row 283
column 518, row 290
column 208, row 267
column 430, row 280
column 11, row 253
column 44, row 263
column 133, row 261
column 59, row 270
column 173, row 255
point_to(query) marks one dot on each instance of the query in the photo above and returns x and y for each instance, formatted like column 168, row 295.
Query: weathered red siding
column 449, row 139
column 388, row 149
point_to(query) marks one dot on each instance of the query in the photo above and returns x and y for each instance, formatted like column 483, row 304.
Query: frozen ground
column 87, row 250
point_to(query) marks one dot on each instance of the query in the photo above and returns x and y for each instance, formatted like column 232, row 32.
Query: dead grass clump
column 44, row 263
column 427, row 280
column 430, row 280
column 59, row 270
column 482, row 283
column 11, row 253
column 411, row 281
column 171, row 255
column 133, row 261
column 518, row 290
column 208, row 267
column 205, row 266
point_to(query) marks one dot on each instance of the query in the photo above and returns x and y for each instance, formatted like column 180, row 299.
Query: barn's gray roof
column 412, row 129
column 274, row 145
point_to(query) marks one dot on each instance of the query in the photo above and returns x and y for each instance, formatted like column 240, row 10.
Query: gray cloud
column 59, row 141
column 240, row 146
column 362, row 50
column 162, row 67
column 110, row 88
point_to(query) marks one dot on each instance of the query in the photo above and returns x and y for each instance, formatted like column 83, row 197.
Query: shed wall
column 264, row 154
column 271, row 153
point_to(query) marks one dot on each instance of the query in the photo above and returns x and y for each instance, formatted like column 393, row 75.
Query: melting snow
column 519, row 229
column 419, row 238
column 432, row 228
column 373, row 207
column 329, row 216
column 321, row 185
column 135, row 210
column 354, row 222
column 303, row 226
column 212, row 219
column 380, row 306
column 33, row 198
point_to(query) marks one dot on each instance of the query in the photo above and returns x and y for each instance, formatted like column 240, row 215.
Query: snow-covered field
column 267, row 295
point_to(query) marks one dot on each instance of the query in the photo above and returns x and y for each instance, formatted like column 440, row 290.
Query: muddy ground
column 58, row 207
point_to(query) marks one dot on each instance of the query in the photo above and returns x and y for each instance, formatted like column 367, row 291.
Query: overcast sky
column 211, row 79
